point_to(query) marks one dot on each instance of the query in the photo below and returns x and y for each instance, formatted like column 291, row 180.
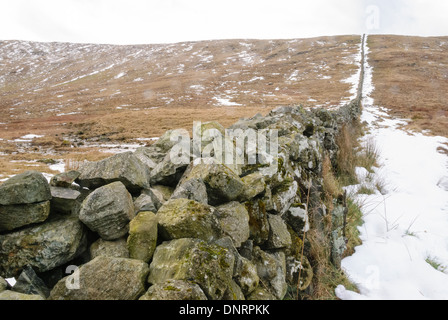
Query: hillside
column 72, row 95
column 62, row 102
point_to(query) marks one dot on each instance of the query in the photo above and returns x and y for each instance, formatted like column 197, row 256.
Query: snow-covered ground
column 404, row 251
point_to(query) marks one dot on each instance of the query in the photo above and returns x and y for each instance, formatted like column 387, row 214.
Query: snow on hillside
column 404, row 254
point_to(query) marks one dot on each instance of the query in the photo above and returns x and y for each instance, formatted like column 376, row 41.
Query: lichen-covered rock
column 271, row 268
column 123, row 167
column 193, row 189
column 29, row 283
column 234, row 292
column 258, row 221
column 174, row 290
column 3, row 284
column 254, row 184
column 64, row 179
column 25, row 188
column 279, row 236
column 142, row 238
column 234, row 220
column 114, row 248
column 223, row 185
column 297, row 218
column 296, row 265
column 108, row 211
column 283, row 197
column 183, row 218
column 208, row 265
column 64, row 200
column 19, row 215
column 247, row 277
column 12, row 295
column 105, row 278
column 43, row 247
column 261, row 294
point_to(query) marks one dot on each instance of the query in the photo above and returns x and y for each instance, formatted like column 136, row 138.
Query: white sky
column 165, row 21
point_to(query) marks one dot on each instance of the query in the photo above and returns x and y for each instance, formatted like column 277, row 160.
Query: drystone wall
column 141, row 225
column 178, row 219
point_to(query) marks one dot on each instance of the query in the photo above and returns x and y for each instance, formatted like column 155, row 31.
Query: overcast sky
column 165, row 21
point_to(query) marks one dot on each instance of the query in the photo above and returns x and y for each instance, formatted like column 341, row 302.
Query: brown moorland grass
column 116, row 94
column 410, row 75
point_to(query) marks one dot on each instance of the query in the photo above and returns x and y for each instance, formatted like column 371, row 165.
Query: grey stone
column 271, row 268
column 247, row 277
column 174, row 290
column 168, row 172
column 142, row 238
column 297, row 218
column 254, row 184
column 234, row 292
column 261, row 294
column 123, row 167
column 284, row 196
column 25, row 188
column 64, row 200
column 279, row 236
column 258, row 221
column 193, row 189
column 115, row 248
column 108, row 211
column 29, row 283
column 147, row 201
column 234, row 220
column 105, row 278
column 3, row 284
column 206, row 264
column 12, row 296
column 16, row 216
column 183, row 218
column 43, row 247
column 223, row 185
column 65, row 179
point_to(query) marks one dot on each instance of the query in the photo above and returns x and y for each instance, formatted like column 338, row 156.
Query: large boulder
column 234, row 220
column 124, row 167
column 108, row 211
column 208, row 265
column 105, row 278
column 43, row 247
column 142, row 238
column 223, row 185
column 183, row 218
column 25, row 188
column 19, row 215
column 174, row 290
